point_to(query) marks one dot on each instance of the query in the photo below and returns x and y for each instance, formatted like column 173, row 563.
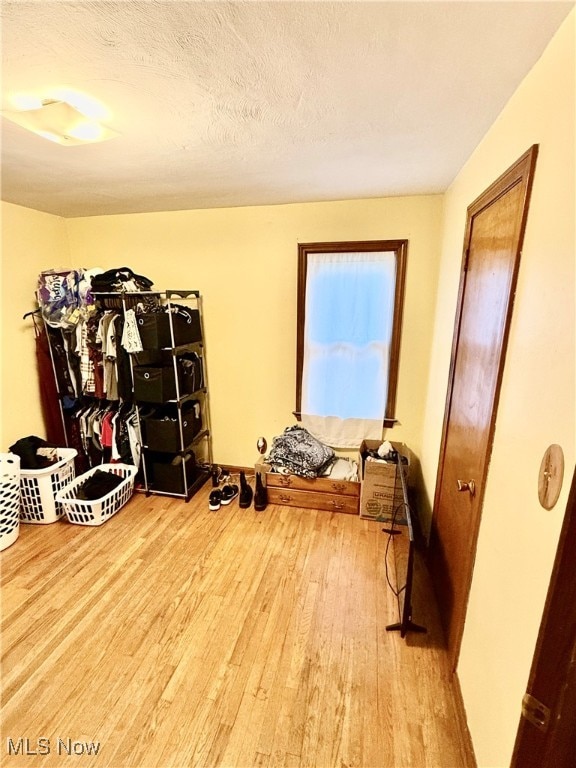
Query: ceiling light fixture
column 58, row 121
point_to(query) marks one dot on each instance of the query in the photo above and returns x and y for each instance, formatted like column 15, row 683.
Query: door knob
column 469, row 486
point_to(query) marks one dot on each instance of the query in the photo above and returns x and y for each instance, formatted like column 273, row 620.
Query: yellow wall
column 518, row 538
column 244, row 262
column 31, row 241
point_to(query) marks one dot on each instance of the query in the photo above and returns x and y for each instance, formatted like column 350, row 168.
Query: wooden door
column 492, row 245
column 546, row 735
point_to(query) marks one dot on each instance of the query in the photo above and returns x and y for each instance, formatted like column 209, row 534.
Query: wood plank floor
column 173, row 636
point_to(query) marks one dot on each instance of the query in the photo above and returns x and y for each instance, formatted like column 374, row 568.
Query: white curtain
column 347, row 337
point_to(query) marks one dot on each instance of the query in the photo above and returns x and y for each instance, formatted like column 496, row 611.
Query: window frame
column 400, row 250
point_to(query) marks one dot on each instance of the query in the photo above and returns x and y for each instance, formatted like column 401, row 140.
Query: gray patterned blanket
column 300, row 453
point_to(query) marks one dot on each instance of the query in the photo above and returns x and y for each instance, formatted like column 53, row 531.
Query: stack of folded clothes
column 99, row 484
column 342, row 469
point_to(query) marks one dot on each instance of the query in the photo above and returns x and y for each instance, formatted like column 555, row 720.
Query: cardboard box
column 381, row 494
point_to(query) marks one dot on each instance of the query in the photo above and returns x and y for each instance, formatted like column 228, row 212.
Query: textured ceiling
column 249, row 103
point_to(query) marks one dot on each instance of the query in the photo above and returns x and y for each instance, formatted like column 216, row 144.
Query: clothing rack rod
column 120, row 294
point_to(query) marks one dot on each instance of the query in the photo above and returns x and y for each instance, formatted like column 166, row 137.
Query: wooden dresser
column 311, row 493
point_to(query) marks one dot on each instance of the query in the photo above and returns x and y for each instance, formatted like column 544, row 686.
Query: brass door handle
column 469, row 486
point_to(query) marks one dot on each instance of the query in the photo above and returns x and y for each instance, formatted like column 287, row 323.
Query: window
column 350, row 298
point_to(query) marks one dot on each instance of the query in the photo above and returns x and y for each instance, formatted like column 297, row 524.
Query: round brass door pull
column 551, row 476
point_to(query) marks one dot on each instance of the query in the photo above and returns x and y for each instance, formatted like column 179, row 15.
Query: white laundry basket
column 9, row 499
column 39, row 487
column 96, row 512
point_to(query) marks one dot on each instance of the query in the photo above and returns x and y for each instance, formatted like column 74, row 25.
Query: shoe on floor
column 229, row 493
column 246, row 492
column 260, row 494
column 214, row 500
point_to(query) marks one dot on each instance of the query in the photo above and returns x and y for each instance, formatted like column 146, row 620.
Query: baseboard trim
column 235, row 470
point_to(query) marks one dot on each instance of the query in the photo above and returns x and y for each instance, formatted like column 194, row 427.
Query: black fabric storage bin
column 161, row 432
column 154, row 328
column 191, row 374
column 152, row 357
column 167, row 475
column 154, row 384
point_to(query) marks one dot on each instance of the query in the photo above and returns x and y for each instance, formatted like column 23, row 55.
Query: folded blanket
column 342, row 469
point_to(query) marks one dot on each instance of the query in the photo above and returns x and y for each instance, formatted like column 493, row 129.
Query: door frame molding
column 521, row 172
column 552, row 679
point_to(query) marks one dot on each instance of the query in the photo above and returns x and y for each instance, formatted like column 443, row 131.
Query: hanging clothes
column 80, row 344
column 95, row 353
column 123, row 367
column 106, row 337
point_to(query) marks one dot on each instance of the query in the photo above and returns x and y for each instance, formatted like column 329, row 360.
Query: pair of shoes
column 219, row 475
column 246, row 492
column 260, row 495
column 222, row 497
column 229, row 493
column 214, row 501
